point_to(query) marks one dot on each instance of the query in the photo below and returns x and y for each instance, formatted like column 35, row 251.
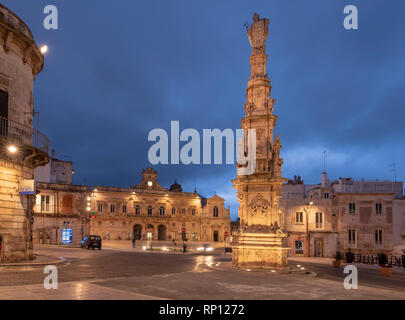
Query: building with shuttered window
column 366, row 216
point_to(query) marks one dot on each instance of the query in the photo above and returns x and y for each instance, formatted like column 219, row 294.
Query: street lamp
column 307, row 211
column 43, row 49
column 12, row 149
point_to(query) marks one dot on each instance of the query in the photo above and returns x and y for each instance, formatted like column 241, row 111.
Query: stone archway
column 161, row 232
column 137, row 232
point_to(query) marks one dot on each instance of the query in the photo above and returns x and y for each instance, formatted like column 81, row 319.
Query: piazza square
column 98, row 202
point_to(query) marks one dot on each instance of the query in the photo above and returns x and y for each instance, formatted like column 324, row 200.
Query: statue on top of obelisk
column 258, row 32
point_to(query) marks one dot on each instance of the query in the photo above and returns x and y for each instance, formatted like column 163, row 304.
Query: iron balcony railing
column 23, row 134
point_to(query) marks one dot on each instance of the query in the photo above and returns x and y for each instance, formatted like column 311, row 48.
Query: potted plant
column 338, row 260
column 386, row 269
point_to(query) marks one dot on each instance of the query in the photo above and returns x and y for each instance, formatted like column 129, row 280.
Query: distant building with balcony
column 364, row 216
column 60, row 207
column 22, row 148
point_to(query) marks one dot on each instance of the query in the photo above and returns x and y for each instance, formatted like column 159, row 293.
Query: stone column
column 260, row 242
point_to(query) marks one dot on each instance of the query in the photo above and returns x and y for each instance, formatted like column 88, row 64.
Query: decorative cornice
column 18, row 33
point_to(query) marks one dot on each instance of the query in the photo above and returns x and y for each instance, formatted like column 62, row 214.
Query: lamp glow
column 12, row 149
column 44, row 49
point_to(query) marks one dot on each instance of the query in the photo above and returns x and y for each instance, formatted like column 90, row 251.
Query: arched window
column 183, row 210
column 137, row 210
column 173, row 211
column 162, row 211
column 149, row 211
column 215, row 212
column 112, row 208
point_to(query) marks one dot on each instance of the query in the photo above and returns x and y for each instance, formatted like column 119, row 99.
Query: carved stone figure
column 277, row 147
column 258, row 31
column 258, row 205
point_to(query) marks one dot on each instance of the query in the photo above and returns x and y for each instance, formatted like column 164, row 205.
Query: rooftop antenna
column 394, row 169
column 324, row 160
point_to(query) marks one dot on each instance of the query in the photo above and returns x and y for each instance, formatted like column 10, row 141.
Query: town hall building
column 149, row 211
column 146, row 211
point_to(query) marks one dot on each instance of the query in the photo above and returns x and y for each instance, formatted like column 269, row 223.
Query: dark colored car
column 91, row 242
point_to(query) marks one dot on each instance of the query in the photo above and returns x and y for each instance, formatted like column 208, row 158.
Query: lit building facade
column 149, row 211
column 365, row 216
column 61, row 207
column 22, row 148
column 146, row 211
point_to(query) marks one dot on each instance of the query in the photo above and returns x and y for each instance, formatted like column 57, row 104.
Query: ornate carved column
column 260, row 243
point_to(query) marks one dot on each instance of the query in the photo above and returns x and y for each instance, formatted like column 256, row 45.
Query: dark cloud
column 116, row 70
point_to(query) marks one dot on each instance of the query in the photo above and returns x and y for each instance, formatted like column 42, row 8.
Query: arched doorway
column 137, row 232
column 216, row 238
column 161, row 232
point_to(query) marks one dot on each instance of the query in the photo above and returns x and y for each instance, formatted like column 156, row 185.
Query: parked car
column 91, row 242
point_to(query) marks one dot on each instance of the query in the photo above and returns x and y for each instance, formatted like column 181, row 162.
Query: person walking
column 133, row 242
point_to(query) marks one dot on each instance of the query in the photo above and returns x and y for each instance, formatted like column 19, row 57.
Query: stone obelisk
column 260, row 242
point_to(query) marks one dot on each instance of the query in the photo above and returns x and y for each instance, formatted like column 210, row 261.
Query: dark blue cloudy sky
column 117, row 69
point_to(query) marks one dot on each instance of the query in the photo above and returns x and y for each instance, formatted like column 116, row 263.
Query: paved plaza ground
column 120, row 272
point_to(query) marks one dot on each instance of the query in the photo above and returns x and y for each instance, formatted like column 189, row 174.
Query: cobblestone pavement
column 369, row 275
column 126, row 274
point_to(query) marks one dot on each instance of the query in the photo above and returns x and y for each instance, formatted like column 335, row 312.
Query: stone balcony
column 32, row 146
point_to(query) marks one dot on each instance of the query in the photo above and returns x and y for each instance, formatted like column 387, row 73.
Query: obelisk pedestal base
column 260, row 250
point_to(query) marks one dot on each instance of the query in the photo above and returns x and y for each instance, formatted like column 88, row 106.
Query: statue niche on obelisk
column 260, row 242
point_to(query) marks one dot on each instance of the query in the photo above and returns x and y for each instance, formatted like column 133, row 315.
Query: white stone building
column 22, row 148
column 55, row 171
column 365, row 216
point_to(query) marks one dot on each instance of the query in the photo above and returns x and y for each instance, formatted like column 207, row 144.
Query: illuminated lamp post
column 307, row 211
